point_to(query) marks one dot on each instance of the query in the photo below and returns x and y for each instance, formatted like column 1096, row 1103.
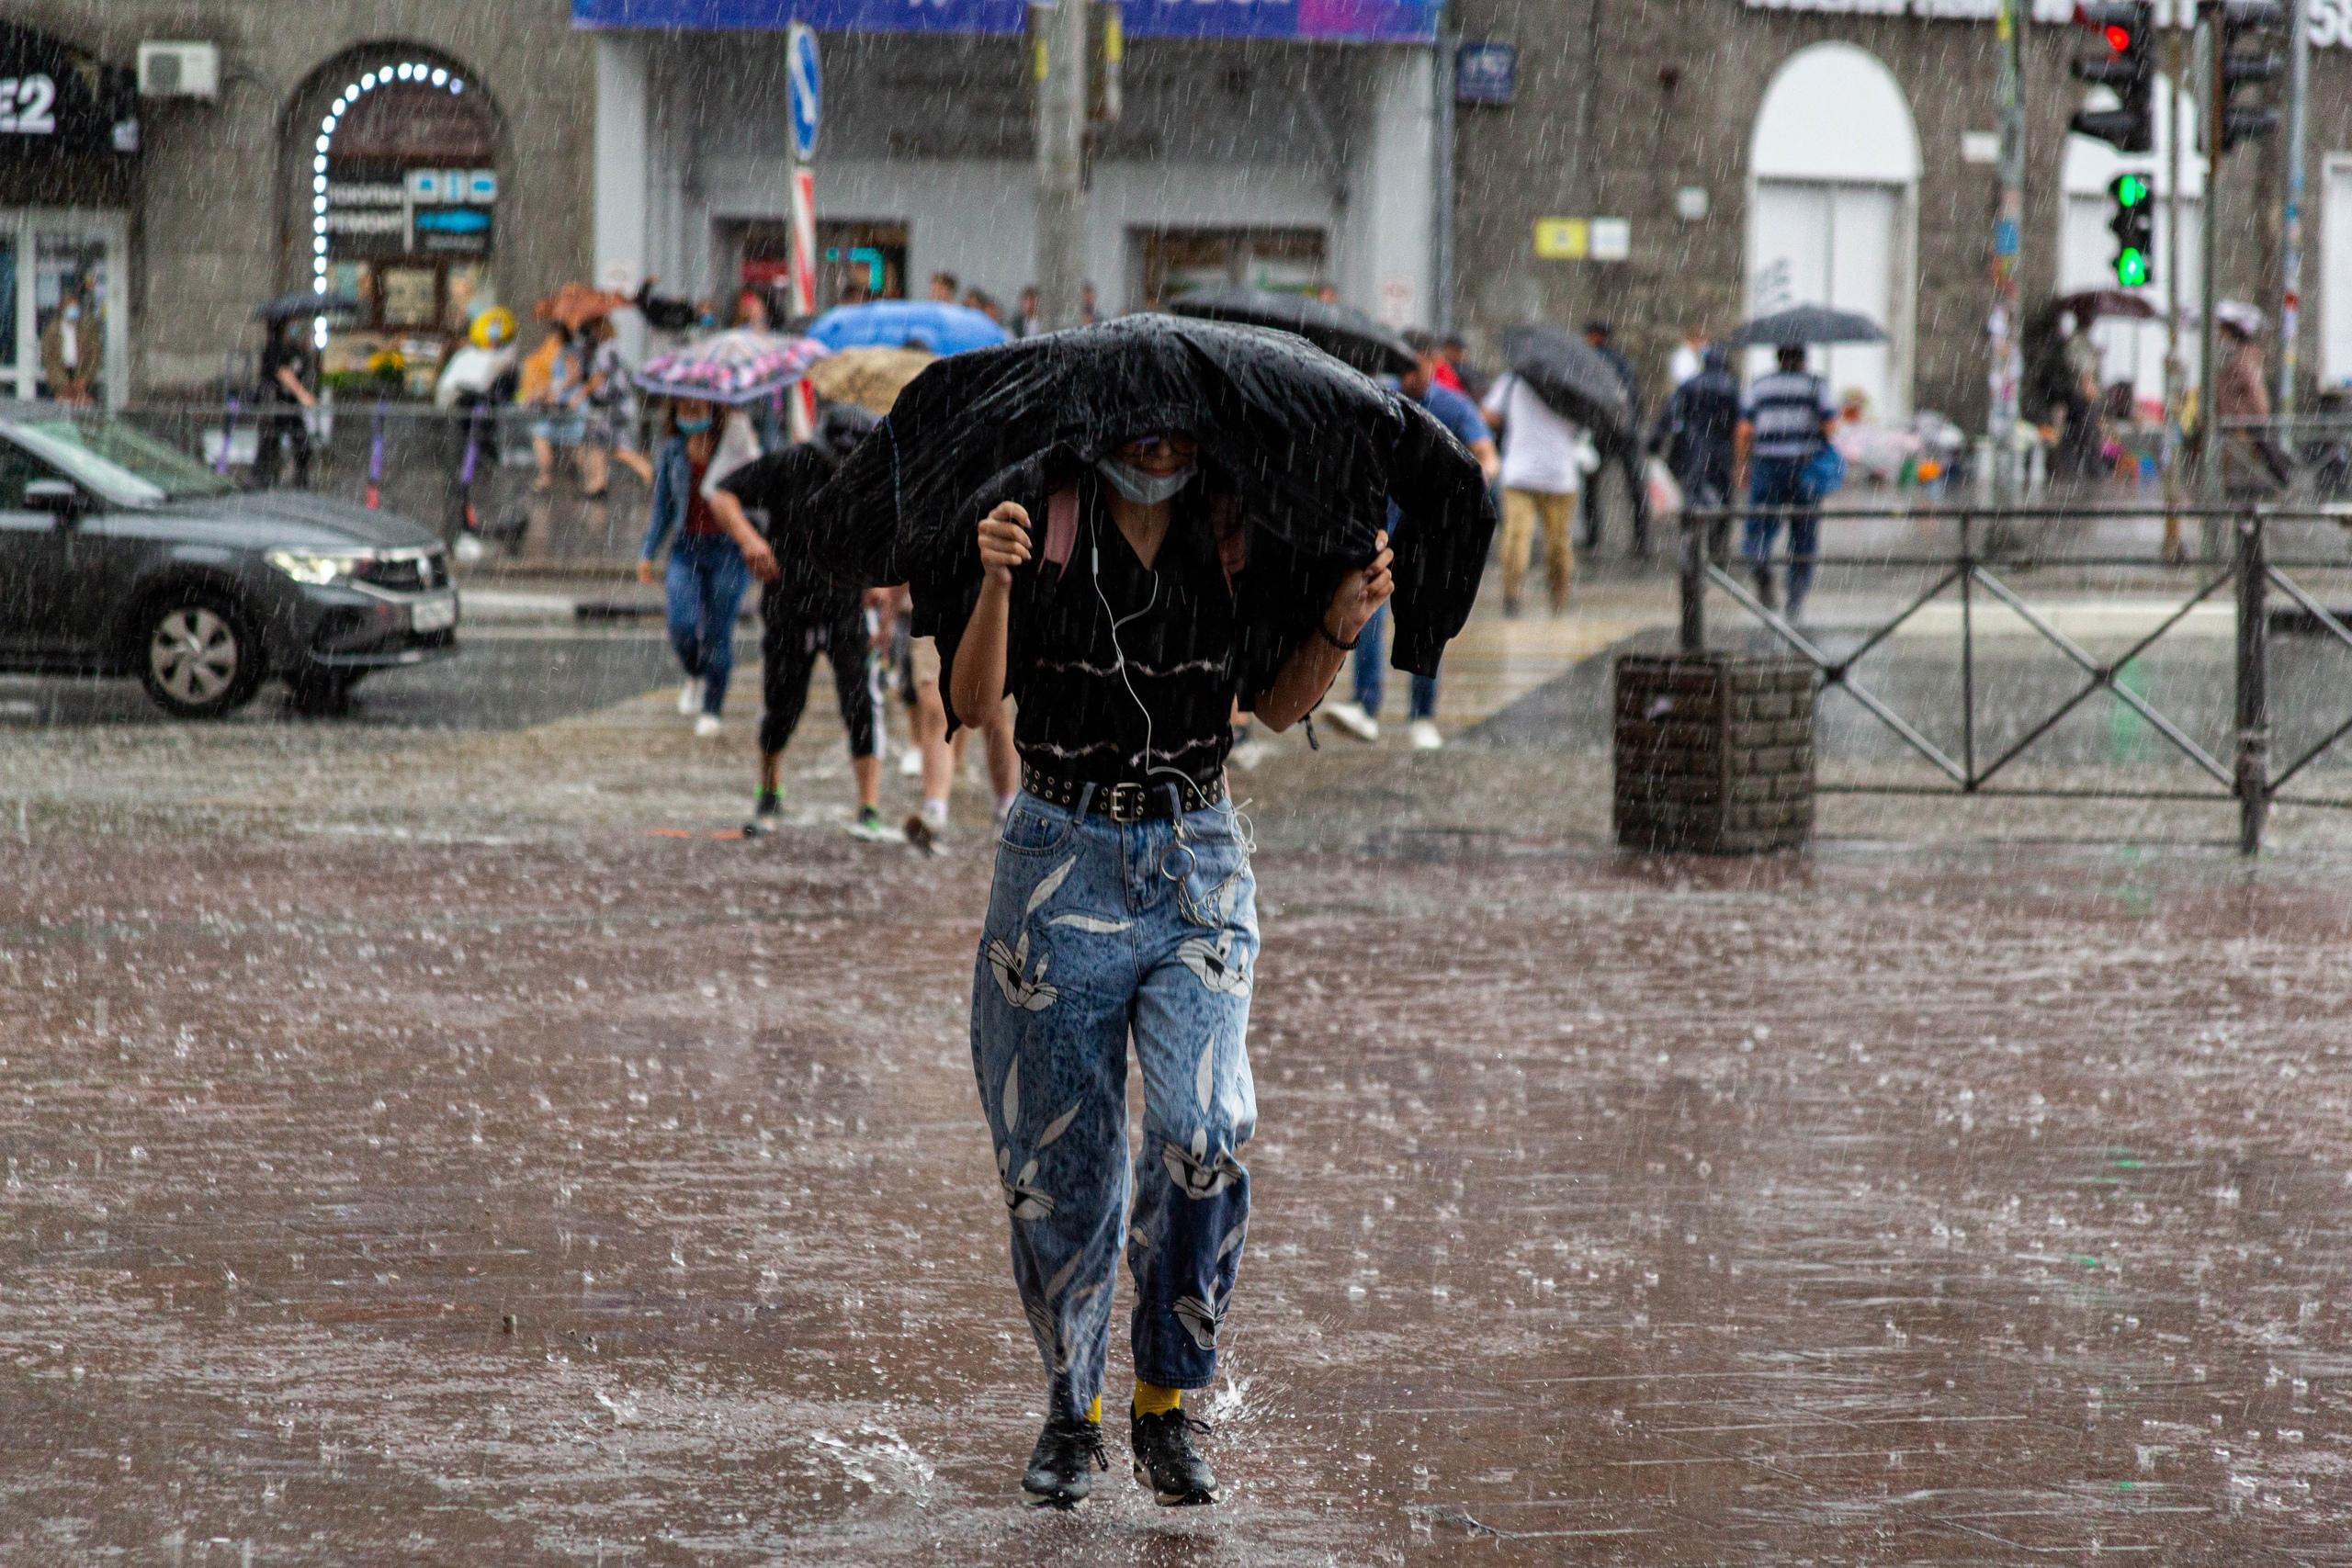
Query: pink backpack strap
column 1061, row 526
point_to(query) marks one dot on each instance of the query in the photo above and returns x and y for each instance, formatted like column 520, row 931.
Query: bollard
column 1714, row 753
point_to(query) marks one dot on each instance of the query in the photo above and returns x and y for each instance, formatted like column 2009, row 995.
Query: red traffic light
column 2117, row 39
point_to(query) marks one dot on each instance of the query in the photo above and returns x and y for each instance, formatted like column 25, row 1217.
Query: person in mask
column 1124, row 904
column 707, row 573
column 72, row 348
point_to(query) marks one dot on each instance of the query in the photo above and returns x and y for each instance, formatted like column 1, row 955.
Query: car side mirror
column 60, row 497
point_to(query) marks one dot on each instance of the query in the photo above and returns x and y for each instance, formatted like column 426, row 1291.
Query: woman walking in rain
column 1123, row 903
column 708, row 574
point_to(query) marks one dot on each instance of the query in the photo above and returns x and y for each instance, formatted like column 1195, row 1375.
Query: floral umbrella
column 739, row 366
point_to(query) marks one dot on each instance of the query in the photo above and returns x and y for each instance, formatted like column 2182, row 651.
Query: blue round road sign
column 804, row 89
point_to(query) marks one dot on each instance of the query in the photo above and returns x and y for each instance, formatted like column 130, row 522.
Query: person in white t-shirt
column 1689, row 357
column 1544, row 461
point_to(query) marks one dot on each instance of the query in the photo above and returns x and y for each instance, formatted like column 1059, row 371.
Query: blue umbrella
column 900, row 323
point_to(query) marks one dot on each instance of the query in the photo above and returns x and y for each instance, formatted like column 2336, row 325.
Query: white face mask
column 1143, row 489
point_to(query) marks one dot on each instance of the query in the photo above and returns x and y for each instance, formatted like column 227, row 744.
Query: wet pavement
column 445, row 1150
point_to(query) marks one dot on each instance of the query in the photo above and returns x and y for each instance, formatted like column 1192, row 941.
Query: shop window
column 404, row 210
column 1173, row 263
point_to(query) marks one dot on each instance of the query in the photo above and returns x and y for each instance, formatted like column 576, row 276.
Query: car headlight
column 319, row 569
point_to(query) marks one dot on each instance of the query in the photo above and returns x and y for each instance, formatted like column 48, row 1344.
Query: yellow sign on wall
column 1563, row 238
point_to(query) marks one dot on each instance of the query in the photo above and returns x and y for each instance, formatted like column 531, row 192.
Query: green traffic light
column 2131, row 268
column 2130, row 190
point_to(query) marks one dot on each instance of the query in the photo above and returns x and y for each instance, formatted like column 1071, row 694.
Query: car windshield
column 121, row 462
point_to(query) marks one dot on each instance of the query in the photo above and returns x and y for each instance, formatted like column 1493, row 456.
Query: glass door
column 62, row 330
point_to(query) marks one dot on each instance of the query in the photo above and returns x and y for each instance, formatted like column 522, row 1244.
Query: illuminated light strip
column 412, row 71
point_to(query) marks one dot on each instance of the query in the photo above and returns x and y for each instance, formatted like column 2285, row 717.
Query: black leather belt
column 1130, row 801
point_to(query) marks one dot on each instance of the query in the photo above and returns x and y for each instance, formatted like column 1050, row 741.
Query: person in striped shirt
column 1784, row 420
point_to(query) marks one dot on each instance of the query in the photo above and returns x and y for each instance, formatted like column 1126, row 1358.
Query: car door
column 32, row 557
column 56, row 579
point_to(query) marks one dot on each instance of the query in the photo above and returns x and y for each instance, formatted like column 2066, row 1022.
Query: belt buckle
column 1126, row 803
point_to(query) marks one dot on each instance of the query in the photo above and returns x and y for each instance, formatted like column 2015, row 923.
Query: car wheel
column 323, row 692
column 201, row 659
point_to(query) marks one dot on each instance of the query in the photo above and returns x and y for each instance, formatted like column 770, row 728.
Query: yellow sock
column 1094, row 1411
column 1153, row 1400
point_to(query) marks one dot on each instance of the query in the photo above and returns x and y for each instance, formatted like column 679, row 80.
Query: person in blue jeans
column 1124, row 905
column 1360, row 717
column 1784, row 421
column 708, row 574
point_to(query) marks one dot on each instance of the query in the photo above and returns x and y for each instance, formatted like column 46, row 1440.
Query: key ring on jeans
column 1168, row 854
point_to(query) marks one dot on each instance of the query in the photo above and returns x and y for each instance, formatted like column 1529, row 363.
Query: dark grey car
column 121, row 556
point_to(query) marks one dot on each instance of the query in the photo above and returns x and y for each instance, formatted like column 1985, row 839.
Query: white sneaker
column 910, row 763
column 708, row 726
column 1351, row 717
column 1424, row 736
column 690, row 699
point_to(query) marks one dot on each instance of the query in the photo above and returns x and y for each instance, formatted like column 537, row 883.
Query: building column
column 623, row 155
column 1388, row 254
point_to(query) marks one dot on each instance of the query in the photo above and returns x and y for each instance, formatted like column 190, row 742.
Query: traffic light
column 2239, row 17
column 2134, row 227
column 2126, row 62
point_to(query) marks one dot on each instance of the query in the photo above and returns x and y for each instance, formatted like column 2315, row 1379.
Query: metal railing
column 452, row 469
column 1991, row 553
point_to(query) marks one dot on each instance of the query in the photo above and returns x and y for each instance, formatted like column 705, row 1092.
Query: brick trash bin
column 1714, row 753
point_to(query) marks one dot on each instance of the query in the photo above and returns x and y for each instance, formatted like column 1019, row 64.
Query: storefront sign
column 1358, row 21
column 56, row 99
column 1486, row 74
column 380, row 210
column 1563, row 238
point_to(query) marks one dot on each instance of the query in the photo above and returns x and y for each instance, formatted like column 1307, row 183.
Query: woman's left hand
column 1361, row 593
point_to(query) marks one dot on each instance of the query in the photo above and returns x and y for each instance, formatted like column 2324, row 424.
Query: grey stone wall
column 1714, row 753
column 215, row 227
column 1620, row 101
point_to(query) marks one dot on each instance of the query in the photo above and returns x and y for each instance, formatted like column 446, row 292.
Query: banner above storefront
column 1344, row 21
column 2329, row 21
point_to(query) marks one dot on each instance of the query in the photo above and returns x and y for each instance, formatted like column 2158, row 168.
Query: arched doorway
column 1832, row 211
column 400, row 202
column 2131, row 350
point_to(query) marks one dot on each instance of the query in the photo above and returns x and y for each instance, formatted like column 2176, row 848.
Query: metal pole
column 2175, row 372
column 1058, row 46
column 2008, row 223
column 1968, row 651
column 2209, row 428
column 1442, row 184
column 1693, row 561
column 2291, row 271
column 2253, row 693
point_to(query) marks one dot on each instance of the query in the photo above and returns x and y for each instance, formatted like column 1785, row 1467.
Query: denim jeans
column 1372, row 671
column 1780, row 481
column 706, row 585
column 1095, row 930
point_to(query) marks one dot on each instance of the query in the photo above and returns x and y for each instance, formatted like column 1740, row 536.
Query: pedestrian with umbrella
column 1627, row 455
column 1127, row 528
column 1554, row 389
column 1784, row 426
column 288, row 374
column 706, row 574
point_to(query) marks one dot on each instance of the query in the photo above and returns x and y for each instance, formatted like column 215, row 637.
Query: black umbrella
column 1808, row 323
column 302, row 302
column 1344, row 332
column 1313, row 452
column 1574, row 380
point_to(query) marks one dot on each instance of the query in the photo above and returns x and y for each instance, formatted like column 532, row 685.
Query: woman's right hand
column 645, row 573
column 1004, row 541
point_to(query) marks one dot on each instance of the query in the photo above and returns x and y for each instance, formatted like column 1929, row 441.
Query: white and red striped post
column 804, row 286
